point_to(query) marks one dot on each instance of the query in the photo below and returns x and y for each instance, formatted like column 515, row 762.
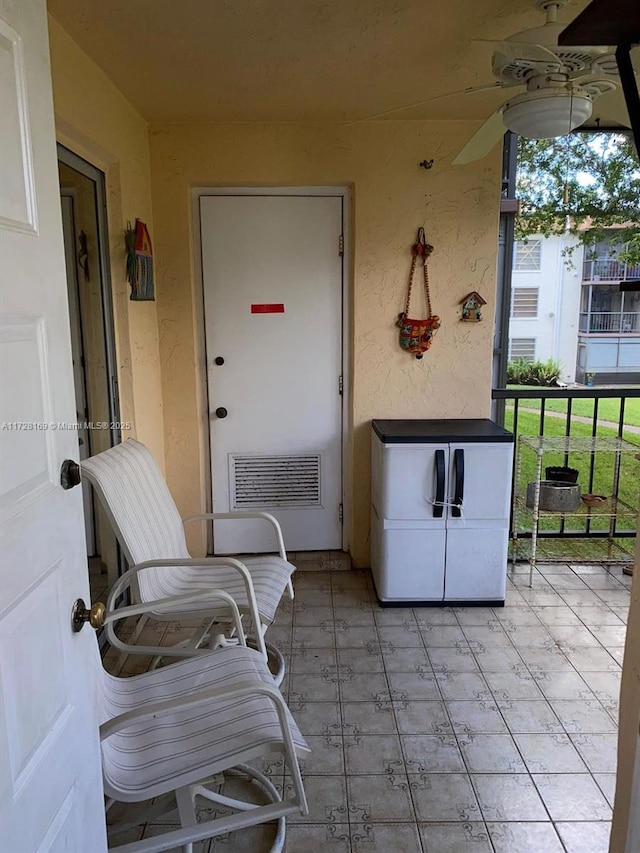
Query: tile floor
column 448, row 730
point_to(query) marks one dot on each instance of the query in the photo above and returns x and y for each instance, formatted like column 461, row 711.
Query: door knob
column 81, row 614
column 69, row 474
column 221, row 412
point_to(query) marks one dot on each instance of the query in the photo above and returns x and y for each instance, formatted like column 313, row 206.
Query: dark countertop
column 425, row 431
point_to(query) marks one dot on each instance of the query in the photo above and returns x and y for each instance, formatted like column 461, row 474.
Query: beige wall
column 629, row 732
column 95, row 121
column 392, row 196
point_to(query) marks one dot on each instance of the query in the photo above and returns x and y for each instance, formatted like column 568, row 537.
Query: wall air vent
column 274, row 481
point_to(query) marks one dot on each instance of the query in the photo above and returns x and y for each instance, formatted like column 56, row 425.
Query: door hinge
column 341, row 245
column 340, row 513
column 340, row 385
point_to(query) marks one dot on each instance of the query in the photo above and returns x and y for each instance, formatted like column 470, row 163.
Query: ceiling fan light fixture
column 545, row 113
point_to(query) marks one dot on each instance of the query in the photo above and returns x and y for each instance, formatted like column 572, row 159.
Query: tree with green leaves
column 584, row 184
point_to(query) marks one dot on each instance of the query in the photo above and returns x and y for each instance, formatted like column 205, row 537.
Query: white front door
column 272, row 270
column 50, row 779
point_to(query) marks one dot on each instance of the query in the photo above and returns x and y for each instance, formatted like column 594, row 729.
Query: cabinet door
column 476, row 567
column 411, row 563
column 481, row 475
column 413, row 479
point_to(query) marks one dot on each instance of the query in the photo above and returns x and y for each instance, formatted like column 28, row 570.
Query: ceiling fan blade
column 469, row 91
column 604, row 65
column 483, row 140
column 596, row 85
column 523, row 50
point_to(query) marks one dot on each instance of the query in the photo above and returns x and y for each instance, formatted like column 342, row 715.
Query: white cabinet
column 440, row 502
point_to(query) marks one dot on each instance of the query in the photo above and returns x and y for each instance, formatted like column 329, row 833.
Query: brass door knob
column 94, row 616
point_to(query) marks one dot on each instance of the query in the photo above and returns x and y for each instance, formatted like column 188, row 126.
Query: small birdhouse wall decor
column 139, row 262
column 472, row 307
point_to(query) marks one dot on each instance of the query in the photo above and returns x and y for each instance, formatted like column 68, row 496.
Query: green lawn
column 608, row 409
column 528, row 424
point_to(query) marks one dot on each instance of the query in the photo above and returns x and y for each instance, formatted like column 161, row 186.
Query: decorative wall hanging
column 139, row 262
column 416, row 335
column 471, row 307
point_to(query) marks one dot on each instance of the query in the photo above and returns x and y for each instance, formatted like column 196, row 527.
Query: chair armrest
column 220, row 516
column 124, row 581
column 167, row 605
column 192, row 700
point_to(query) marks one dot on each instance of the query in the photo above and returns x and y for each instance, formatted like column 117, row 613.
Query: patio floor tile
column 379, row 799
column 549, row 753
column 572, row 796
column 381, row 838
column 491, row 754
column 432, row 754
column 585, row 836
column 444, row 796
column 529, row 837
column 508, row 797
column 455, row 837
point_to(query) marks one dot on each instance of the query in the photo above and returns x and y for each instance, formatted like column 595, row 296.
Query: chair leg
column 187, row 812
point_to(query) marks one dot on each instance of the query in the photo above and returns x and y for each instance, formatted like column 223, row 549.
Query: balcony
column 610, row 322
column 609, row 269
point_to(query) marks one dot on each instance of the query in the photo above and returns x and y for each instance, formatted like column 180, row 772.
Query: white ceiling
column 184, row 61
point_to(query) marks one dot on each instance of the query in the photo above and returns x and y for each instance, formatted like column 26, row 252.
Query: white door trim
column 200, row 343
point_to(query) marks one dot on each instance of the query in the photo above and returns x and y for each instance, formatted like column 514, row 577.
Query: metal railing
column 616, row 322
column 530, row 411
column 608, row 269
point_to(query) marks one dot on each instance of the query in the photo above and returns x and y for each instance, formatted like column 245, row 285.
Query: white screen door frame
column 344, row 193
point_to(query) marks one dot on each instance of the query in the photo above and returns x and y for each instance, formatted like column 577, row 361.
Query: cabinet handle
column 458, row 463
column 438, row 507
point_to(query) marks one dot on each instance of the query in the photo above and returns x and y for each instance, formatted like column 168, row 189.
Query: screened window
column 522, row 348
column 526, row 257
column 524, row 302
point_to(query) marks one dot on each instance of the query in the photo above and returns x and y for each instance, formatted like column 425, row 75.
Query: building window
column 526, row 257
column 524, row 302
column 524, row 348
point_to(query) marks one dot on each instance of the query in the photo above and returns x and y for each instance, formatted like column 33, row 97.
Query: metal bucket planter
column 555, row 496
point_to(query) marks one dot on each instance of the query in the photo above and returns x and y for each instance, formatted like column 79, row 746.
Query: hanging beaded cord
column 416, row 335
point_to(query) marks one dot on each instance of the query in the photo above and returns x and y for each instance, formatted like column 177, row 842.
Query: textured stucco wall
column 392, row 196
column 95, row 121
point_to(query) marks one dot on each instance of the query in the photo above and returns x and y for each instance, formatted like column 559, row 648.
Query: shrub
column 521, row 372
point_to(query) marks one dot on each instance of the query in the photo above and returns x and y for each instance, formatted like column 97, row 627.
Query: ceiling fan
column 559, row 83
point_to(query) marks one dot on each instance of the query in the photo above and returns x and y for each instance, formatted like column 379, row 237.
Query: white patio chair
column 149, row 529
column 173, row 728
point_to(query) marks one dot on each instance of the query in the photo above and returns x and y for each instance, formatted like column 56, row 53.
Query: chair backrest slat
column 140, row 508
